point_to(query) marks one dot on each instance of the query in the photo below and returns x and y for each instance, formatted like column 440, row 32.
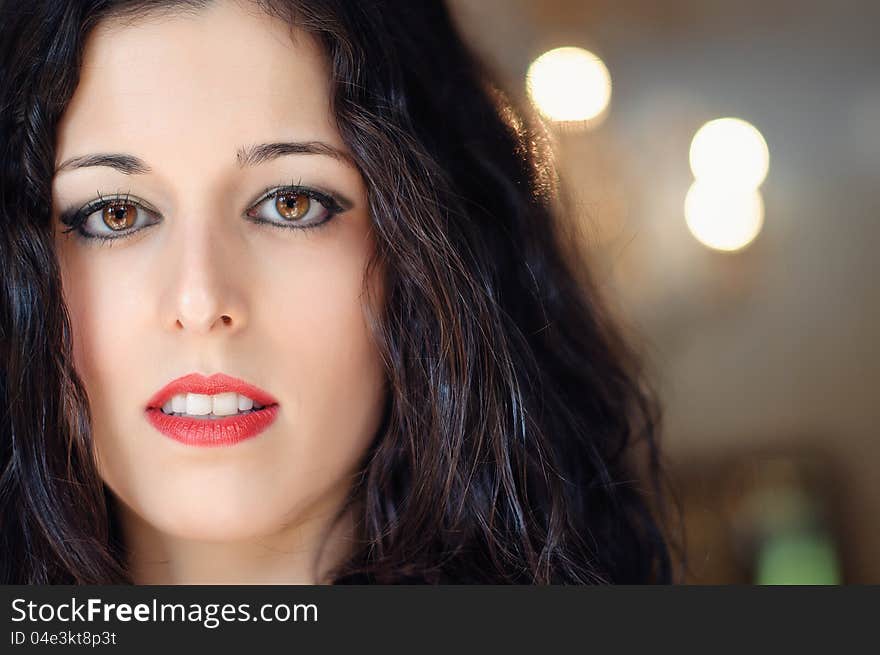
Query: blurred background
column 723, row 159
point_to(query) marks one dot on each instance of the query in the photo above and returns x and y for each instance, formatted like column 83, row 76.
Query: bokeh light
column 730, row 151
column 723, row 217
column 569, row 84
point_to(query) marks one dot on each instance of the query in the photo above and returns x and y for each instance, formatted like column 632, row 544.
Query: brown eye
column 295, row 207
column 119, row 215
column 292, row 206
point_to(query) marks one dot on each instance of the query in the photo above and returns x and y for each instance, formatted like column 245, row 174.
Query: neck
column 303, row 553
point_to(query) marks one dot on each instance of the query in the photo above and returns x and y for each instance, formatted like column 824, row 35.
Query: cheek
column 102, row 322
column 105, row 340
column 337, row 380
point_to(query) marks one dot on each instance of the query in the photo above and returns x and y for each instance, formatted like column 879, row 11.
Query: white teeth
column 224, row 404
column 198, row 404
column 178, row 403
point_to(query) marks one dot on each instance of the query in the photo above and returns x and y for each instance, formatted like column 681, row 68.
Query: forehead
column 180, row 90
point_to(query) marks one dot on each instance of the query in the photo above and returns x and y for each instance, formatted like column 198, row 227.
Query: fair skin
column 202, row 289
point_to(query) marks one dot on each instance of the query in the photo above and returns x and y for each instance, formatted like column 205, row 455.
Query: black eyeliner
column 331, row 201
column 75, row 217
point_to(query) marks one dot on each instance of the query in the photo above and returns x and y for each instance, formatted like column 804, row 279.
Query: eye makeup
column 330, row 204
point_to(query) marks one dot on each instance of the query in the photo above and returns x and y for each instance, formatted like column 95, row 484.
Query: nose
column 207, row 291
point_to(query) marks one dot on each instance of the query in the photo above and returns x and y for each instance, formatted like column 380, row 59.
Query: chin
column 211, row 517
column 209, row 524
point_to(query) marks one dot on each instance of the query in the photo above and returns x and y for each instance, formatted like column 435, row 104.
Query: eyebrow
column 263, row 152
column 128, row 164
column 244, row 157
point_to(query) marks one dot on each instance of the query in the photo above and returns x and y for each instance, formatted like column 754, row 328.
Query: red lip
column 214, row 384
column 212, row 432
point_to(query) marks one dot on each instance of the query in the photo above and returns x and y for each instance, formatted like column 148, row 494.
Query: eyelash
column 76, row 218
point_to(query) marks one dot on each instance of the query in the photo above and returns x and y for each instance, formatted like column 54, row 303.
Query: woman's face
column 198, row 287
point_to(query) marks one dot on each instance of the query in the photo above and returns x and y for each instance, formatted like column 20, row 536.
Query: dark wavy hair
column 507, row 450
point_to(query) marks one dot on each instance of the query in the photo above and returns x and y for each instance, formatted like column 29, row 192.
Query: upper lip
column 210, row 385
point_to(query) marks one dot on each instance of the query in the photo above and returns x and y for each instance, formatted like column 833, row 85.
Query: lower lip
column 212, row 432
